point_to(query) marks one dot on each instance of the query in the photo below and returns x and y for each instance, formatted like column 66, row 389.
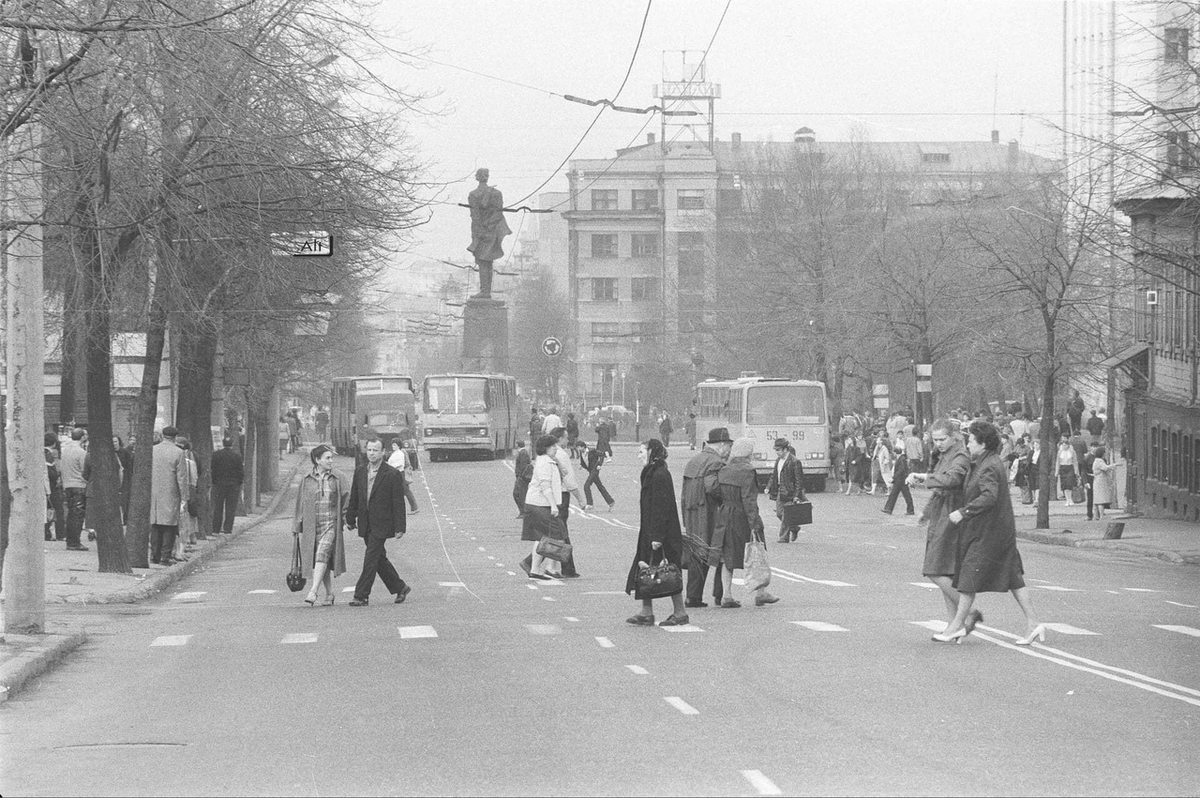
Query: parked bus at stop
column 381, row 405
column 765, row 409
column 470, row 414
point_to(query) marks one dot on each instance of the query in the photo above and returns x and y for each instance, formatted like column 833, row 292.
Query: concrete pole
column 24, row 563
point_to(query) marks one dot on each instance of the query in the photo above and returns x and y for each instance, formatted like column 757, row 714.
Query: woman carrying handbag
column 660, row 541
column 318, row 523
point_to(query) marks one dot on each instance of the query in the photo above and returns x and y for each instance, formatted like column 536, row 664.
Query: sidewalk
column 72, row 578
column 1173, row 541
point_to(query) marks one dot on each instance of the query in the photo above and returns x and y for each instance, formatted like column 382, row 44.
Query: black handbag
column 554, row 549
column 295, row 578
column 657, row 581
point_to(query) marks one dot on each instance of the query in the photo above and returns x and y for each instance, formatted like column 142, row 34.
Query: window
column 645, row 289
column 935, row 157
column 691, row 259
column 643, row 332
column 604, row 378
column 1195, row 465
column 604, row 245
column 690, row 199
column 645, row 245
column 1175, row 44
column 1185, row 476
column 1175, row 462
column 1154, row 453
column 604, row 199
column 645, row 199
column 1181, row 153
column 691, row 312
column 604, row 289
column 605, row 332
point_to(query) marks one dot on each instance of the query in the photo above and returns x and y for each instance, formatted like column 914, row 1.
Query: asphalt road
column 485, row 683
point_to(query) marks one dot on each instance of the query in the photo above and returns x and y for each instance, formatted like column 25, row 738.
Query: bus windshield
column 455, row 395
column 785, row 404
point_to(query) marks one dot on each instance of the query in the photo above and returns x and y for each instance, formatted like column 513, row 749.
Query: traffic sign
column 552, row 347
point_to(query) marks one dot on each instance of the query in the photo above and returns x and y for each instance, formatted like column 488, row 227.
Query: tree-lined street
column 484, row 682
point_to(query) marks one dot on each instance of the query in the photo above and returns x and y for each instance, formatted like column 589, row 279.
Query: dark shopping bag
column 657, row 581
column 795, row 515
column 295, row 579
column 1078, row 494
column 554, row 549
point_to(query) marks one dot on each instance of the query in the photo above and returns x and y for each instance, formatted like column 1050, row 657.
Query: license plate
column 459, row 440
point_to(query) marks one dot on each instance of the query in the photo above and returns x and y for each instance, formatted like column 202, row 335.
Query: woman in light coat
column 541, row 507
column 1102, row 482
column 319, row 520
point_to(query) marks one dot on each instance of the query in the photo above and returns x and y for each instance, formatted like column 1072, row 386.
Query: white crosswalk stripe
column 1183, row 630
column 416, row 632
column 821, row 626
column 299, row 637
column 171, row 640
column 1068, row 629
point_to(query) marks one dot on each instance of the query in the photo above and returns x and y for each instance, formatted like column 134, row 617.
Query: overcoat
column 659, row 523
column 947, row 481
column 738, row 517
column 304, row 522
column 168, row 483
column 790, row 485
column 988, row 561
column 699, row 496
column 1102, row 482
column 488, row 227
column 380, row 515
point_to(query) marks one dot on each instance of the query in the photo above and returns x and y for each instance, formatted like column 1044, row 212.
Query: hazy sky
column 912, row 70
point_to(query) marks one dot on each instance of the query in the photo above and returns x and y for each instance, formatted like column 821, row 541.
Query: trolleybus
column 470, row 413
column 380, row 405
column 767, row 408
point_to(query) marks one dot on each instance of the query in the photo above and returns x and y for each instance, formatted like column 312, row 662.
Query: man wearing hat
column 169, row 488
column 698, row 503
column 786, row 485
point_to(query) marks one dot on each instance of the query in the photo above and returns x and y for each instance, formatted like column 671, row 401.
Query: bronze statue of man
column 488, row 230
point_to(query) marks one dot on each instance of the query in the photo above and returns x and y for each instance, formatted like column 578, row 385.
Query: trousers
column 162, row 541
column 376, row 563
column 697, row 575
column 520, row 488
column 594, row 479
column 76, row 507
column 225, row 502
column 899, row 488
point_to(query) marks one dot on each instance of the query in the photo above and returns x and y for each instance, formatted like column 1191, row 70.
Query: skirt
column 537, row 523
column 324, row 551
column 1066, row 477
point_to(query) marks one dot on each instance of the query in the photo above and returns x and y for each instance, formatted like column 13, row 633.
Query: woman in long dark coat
column 946, row 479
column 988, row 560
column 660, row 538
column 738, row 520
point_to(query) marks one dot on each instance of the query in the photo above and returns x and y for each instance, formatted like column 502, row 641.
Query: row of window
column 641, row 245
column 612, row 332
column 646, row 199
column 1175, row 459
column 606, row 289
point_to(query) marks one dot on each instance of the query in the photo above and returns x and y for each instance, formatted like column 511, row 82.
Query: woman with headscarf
column 738, row 520
column 988, row 560
column 542, row 499
column 660, row 537
column 319, row 519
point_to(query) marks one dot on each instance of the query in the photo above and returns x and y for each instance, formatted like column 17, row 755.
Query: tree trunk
column 73, row 360
column 196, row 353
column 1048, row 471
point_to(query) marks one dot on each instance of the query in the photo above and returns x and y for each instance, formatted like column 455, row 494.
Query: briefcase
column 795, row 515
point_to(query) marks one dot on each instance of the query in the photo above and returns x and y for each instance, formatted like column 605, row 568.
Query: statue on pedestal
column 488, row 230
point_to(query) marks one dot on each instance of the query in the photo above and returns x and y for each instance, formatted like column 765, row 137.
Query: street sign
column 552, row 347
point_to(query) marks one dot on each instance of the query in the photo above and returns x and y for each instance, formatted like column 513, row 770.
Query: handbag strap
column 297, row 560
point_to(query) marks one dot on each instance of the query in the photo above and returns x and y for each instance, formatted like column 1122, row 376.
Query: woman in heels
column 319, row 518
column 988, row 560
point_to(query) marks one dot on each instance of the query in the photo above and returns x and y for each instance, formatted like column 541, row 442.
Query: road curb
column 1063, row 539
column 33, row 662
column 160, row 581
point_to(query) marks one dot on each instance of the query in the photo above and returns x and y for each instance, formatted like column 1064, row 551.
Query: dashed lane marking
column 687, row 627
column 605, row 642
column 416, row 632
column 761, row 783
column 490, row 557
column 821, row 626
column 569, row 618
column 1068, row 629
column 448, row 584
column 1055, row 587
column 347, row 590
column 683, row 706
column 171, row 640
column 1177, row 604
column 531, row 587
column 299, row 637
column 262, row 592
column 549, row 598
column 638, row 669
column 933, row 626
column 481, row 548
column 1183, row 630
column 1114, row 592
column 192, row 596
column 543, row 629
column 794, row 577
column 1140, row 590
column 511, row 573
column 928, row 585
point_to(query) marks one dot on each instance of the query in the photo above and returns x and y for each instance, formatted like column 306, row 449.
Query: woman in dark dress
column 988, row 560
column 660, row 537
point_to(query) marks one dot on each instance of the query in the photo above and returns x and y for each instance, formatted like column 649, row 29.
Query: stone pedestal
column 485, row 336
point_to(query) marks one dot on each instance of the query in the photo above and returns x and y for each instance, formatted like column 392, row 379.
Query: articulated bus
column 470, row 413
column 381, row 405
column 767, row 408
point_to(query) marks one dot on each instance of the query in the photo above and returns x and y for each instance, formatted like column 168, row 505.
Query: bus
column 380, row 405
column 767, row 408
column 470, row 414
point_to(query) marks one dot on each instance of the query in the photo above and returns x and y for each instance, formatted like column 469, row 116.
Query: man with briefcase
column 787, row 489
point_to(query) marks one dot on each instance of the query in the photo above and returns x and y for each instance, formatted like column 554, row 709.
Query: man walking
column 73, row 468
column 1095, row 427
column 523, row 475
column 665, row 429
column 786, row 486
column 227, row 476
column 169, row 488
column 899, row 484
column 698, row 502
column 593, row 459
column 689, row 428
column 603, row 438
column 54, row 499
column 376, row 509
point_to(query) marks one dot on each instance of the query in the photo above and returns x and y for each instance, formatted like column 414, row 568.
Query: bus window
column 785, row 404
column 472, row 395
column 439, row 395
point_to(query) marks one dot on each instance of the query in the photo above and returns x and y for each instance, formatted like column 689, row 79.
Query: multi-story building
column 642, row 253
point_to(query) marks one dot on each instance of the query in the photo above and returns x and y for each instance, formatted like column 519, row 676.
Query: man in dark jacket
column 786, row 486
column 699, row 499
column 227, row 476
column 376, row 510
column 899, row 483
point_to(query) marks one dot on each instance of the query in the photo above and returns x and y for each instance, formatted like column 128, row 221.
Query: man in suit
column 377, row 510
column 786, row 486
column 227, row 476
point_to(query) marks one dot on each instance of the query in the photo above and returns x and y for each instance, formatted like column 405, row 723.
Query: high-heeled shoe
column 973, row 617
column 311, row 599
column 329, row 600
column 956, row 638
column 1038, row 634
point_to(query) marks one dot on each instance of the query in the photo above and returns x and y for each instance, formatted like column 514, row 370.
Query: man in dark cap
column 488, row 230
column 698, row 503
column 786, row 486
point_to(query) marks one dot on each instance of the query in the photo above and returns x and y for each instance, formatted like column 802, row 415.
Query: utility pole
column 24, row 561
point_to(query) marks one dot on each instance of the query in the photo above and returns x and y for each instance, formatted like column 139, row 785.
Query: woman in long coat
column 1102, row 483
column 738, row 520
column 947, row 479
column 318, row 521
column 988, row 558
column 660, row 538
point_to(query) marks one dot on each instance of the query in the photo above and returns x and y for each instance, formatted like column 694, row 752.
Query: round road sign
column 552, row 347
